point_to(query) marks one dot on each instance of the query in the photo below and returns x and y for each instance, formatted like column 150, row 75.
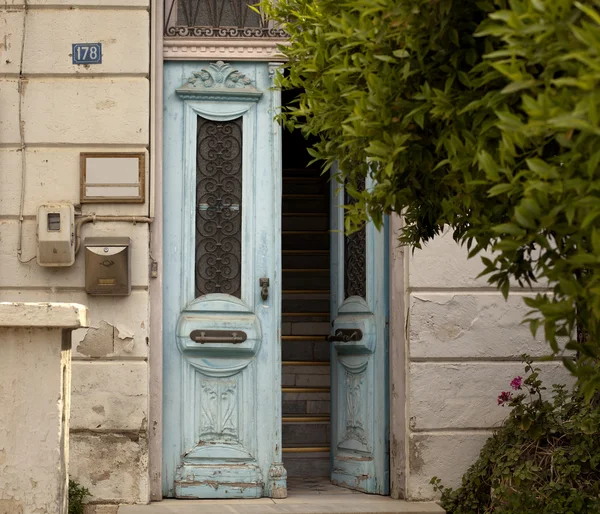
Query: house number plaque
column 87, row 53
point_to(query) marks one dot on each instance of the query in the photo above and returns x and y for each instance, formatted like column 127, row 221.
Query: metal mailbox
column 108, row 266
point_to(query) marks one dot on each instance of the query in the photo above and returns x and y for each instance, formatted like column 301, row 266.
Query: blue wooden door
column 359, row 355
column 222, row 283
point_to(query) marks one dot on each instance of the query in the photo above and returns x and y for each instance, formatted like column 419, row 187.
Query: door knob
column 264, row 288
column 345, row 335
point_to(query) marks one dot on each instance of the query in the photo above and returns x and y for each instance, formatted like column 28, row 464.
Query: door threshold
column 306, row 496
column 316, row 504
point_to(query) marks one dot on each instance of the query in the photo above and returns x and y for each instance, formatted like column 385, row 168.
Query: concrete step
column 305, row 317
column 306, row 464
column 299, row 222
column 306, row 403
column 305, row 239
column 305, row 185
column 305, row 434
column 305, row 203
column 317, row 350
column 296, row 281
column 349, row 503
column 302, row 305
column 301, row 330
column 306, row 259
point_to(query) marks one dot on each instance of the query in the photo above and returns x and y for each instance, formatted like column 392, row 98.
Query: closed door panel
column 222, row 284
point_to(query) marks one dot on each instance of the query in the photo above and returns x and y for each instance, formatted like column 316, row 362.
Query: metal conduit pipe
column 93, row 218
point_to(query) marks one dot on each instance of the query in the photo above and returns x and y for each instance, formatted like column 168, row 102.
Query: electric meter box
column 55, row 234
column 107, row 266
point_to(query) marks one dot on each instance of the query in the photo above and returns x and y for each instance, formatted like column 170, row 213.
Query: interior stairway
column 305, row 322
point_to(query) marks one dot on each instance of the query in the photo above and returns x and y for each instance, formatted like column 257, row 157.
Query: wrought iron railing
column 217, row 18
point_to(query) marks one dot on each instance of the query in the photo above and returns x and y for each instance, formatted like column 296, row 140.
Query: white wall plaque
column 112, row 177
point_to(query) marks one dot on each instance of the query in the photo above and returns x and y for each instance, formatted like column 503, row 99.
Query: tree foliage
column 481, row 116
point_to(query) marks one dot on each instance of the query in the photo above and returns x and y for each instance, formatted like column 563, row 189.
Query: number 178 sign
column 87, row 53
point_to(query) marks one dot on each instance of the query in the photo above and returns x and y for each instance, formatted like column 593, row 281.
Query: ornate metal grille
column 217, row 18
column 355, row 257
column 218, row 207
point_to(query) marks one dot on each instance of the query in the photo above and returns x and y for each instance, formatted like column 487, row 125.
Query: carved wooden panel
column 355, row 415
column 219, row 410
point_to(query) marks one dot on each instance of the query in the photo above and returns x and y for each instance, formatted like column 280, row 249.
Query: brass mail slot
column 218, row 336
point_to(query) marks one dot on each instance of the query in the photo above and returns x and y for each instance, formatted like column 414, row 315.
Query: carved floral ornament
column 219, row 81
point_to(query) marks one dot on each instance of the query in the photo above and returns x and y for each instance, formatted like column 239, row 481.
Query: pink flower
column 503, row 397
column 516, row 383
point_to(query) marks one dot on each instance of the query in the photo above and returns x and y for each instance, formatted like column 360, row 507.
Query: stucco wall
column 64, row 110
column 463, row 343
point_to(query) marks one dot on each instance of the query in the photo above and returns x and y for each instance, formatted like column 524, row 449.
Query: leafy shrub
column 545, row 459
column 77, row 494
column 479, row 115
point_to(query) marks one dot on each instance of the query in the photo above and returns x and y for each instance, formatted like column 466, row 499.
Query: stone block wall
column 463, row 344
column 64, row 109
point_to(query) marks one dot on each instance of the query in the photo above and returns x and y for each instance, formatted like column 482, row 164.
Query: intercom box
column 55, row 234
column 108, row 266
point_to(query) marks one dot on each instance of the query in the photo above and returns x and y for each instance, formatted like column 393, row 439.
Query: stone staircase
column 305, row 322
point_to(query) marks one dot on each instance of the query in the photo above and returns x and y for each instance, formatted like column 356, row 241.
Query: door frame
column 398, row 268
column 155, row 194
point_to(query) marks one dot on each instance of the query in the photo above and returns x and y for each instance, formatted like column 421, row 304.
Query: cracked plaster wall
column 463, row 343
column 65, row 110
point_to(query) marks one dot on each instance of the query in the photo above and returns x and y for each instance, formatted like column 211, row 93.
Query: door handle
column 264, row 288
column 345, row 335
column 218, row 336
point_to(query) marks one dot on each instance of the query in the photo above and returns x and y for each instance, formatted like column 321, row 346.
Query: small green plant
column 77, row 494
column 544, row 459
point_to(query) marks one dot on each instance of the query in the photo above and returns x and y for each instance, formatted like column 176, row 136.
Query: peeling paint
column 99, row 477
column 457, row 318
column 11, row 507
column 123, row 333
column 100, row 509
column 105, row 340
column 105, row 104
column 354, row 458
column 98, row 342
column 5, row 44
column 416, row 461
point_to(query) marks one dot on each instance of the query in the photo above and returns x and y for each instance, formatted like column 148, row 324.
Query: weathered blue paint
column 222, row 402
column 359, row 370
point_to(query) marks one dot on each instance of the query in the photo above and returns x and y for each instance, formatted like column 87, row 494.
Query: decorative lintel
column 223, row 49
column 219, row 82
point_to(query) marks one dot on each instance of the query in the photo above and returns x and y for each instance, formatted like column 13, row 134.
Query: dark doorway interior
column 305, row 310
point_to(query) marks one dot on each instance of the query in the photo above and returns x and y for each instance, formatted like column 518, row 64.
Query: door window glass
column 218, row 207
column 355, row 256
